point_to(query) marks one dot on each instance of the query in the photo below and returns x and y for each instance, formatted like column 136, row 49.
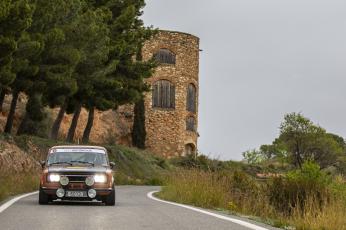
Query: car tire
column 43, row 198
column 110, row 199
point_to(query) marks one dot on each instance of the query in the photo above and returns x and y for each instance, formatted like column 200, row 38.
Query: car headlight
column 89, row 181
column 100, row 178
column 64, row 180
column 54, row 177
column 92, row 193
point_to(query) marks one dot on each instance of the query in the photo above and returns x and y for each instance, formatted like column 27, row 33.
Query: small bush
column 155, row 181
column 199, row 162
column 287, row 193
column 137, row 167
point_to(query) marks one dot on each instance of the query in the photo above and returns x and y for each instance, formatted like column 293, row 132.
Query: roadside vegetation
column 298, row 182
column 17, row 183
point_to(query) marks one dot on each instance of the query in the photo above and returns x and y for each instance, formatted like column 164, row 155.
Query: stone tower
column 172, row 105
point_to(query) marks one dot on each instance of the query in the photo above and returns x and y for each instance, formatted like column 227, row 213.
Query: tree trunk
column 56, row 126
column 32, row 124
column 73, row 126
column 138, row 128
column 10, row 117
column 2, row 98
column 89, row 125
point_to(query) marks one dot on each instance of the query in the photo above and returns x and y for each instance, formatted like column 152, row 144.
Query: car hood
column 76, row 169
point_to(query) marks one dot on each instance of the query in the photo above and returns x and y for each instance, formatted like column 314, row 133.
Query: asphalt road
column 133, row 210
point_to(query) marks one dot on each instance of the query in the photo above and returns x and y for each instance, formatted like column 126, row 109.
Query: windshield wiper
column 59, row 163
column 83, row 162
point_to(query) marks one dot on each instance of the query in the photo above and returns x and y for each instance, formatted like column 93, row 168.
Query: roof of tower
column 178, row 32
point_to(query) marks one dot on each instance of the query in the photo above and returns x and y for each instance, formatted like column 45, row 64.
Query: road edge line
column 8, row 204
column 233, row 220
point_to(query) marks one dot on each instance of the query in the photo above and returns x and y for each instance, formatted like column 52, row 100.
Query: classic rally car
column 77, row 173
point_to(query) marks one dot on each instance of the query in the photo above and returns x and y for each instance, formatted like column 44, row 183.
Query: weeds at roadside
column 17, row 183
column 307, row 200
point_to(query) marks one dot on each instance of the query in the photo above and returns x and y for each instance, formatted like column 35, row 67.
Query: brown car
column 77, row 173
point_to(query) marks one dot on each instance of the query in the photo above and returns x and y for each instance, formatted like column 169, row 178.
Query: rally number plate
column 76, row 194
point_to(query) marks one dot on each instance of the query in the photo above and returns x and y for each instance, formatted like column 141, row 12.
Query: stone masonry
column 166, row 128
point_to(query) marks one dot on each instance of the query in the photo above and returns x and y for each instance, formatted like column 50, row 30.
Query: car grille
column 77, row 178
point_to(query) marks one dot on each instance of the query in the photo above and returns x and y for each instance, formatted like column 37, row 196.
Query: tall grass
column 237, row 192
column 196, row 187
column 16, row 183
column 330, row 216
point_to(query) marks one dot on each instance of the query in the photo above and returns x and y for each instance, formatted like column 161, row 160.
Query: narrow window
column 165, row 56
column 191, row 98
column 190, row 124
column 163, row 94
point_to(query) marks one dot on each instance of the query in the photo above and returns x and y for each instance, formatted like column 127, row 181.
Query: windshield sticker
column 76, row 167
column 78, row 150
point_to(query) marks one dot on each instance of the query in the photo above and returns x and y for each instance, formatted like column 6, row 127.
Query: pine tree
column 89, row 72
column 121, row 79
column 128, row 35
column 58, row 59
column 16, row 17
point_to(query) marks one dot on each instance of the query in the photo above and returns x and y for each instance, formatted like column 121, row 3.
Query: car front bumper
column 99, row 193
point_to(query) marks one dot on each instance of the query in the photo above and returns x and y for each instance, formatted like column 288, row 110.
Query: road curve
column 133, row 210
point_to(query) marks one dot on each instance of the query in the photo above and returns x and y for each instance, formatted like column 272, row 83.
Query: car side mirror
column 43, row 163
column 112, row 164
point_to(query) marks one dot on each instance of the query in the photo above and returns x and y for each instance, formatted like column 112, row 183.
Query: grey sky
column 260, row 60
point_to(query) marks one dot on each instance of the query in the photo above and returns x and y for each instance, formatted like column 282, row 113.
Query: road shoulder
column 245, row 222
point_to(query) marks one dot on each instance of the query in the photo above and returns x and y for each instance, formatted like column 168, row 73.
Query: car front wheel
column 43, row 198
column 110, row 199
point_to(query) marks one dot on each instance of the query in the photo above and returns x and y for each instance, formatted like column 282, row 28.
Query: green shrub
column 287, row 193
column 137, row 167
column 199, row 162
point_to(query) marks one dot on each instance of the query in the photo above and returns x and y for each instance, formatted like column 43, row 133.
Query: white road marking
column 233, row 220
column 6, row 205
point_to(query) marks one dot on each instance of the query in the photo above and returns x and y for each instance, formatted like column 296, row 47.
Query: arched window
column 191, row 98
column 163, row 94
column 165, row 56
column 190, row 124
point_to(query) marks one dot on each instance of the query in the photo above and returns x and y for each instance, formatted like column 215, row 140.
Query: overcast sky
column 260, row 60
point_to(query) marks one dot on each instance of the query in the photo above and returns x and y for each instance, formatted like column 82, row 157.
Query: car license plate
column 76, row 194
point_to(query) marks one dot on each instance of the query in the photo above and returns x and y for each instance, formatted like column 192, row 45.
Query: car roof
column 78, row 147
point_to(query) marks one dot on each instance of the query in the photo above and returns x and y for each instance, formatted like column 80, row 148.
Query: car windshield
column 92, row 158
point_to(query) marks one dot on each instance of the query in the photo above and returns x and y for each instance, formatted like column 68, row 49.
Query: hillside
column 104, row 128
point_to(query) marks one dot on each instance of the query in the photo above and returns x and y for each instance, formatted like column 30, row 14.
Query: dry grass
column 239, row 193
column 235, row 193
column 332, row 215
column 198, row 188
column 17, row 183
